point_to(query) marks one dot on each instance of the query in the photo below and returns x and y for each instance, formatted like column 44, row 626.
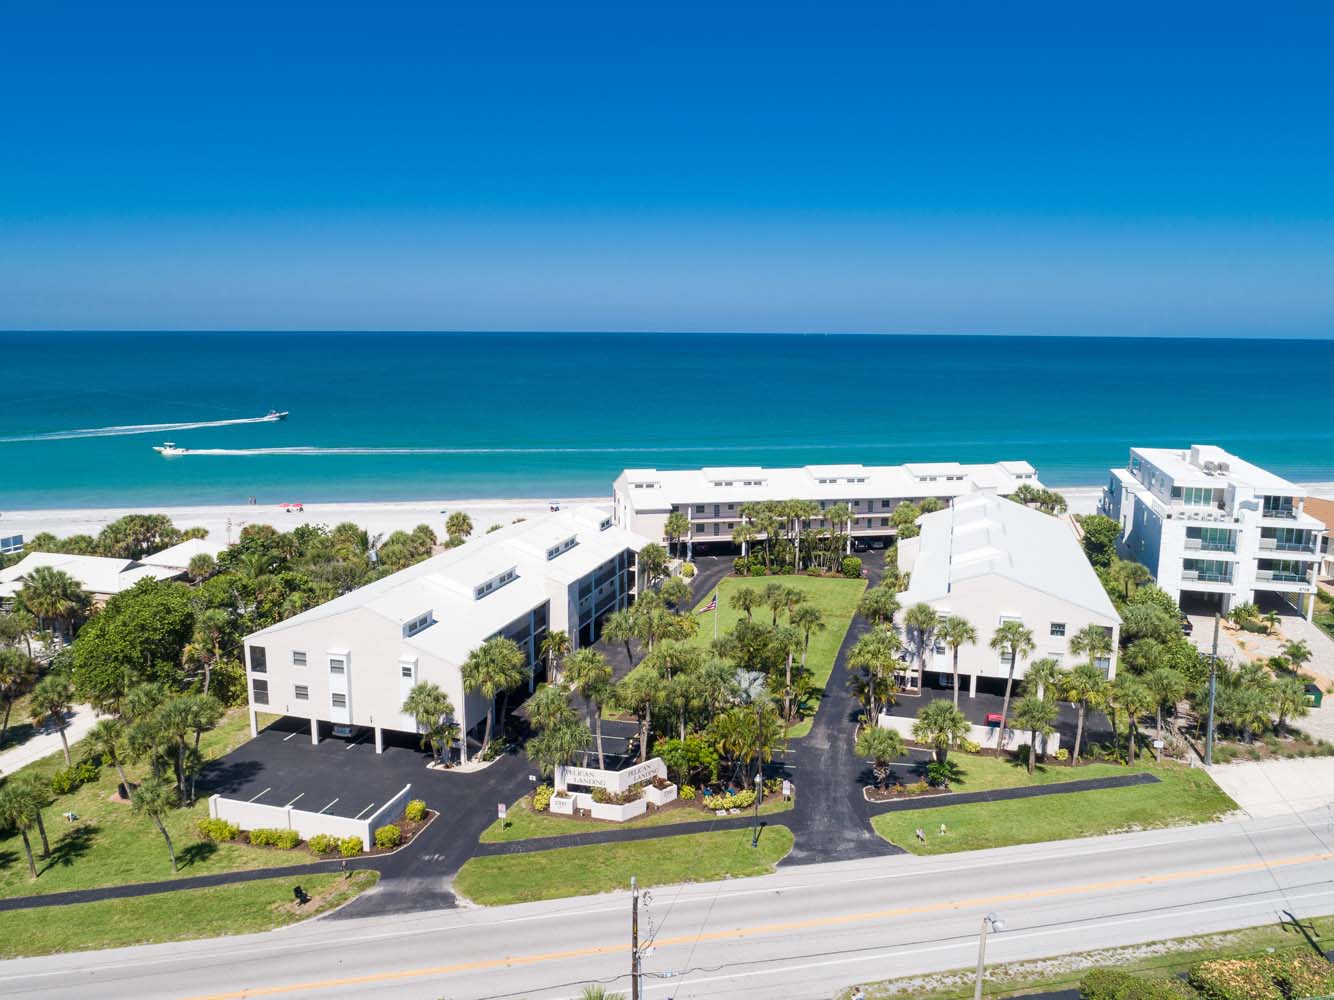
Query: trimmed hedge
column 415, row 811
column 852, row 567
column 388, row 836
column 350, row 847
column 270, row 837
column 542, row 798
column 323, row 843
column 218, row 829
column 1116, row 984
column 1273, row 977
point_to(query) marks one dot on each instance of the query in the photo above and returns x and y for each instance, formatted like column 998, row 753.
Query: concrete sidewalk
column 81, row 719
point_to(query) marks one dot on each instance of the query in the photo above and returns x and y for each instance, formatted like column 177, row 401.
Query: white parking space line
column 329, row 806
column 289, row 805
column 354, row 743
column 265, row 792
column 364, row 811
column 289, row 736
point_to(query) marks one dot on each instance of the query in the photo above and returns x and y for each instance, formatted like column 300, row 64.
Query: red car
column 993, row 718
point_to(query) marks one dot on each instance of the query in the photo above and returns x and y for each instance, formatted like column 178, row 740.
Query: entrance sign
column 612, row 781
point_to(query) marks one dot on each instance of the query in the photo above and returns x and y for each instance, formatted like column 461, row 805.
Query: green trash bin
column 1314, row 696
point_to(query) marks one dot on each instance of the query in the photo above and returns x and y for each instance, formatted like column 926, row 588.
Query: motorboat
column 168, row 449
column 275, row 415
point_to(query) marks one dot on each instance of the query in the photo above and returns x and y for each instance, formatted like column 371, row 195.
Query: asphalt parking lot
column 341, row 777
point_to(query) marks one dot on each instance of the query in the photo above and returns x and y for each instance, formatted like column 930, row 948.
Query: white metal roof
column 696, row 486
column 445, row 585
column 179, row 556
column 95, row 574
column 985, row 535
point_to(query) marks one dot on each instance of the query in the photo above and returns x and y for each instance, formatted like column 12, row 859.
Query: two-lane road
column 804, row 932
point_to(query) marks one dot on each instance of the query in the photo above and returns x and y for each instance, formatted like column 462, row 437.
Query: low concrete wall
column 562, row 804
column 988, row 737
column 615, row 782
column 615, row 813
column 660, row 796
column 253, row 816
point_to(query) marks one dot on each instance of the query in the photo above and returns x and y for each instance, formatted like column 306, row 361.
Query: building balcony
column 1301, row 548
column 1275, row 576
column 1280, row 513
column 1195, row 576
column 1201, row 545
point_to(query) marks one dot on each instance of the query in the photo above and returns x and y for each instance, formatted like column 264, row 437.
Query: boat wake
column 124, row 429
column 314, row 451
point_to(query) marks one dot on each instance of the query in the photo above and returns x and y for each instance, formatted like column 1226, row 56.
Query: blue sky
column 1140, row 169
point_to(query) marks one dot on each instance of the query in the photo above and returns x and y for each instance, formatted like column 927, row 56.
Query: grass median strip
column 524, row 824
column 581, row 871
column 182, row 915
column 1182, row 796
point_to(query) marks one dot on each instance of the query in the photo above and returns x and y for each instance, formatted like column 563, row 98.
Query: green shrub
column 916, row 788
column 632, row 794
column 287, row 839
column 1116, row 984
column 271, row 837
column 1272, row 977
column 218, row 829
column 686, row 792
column 851, row 567
column 415, row 811
column 968, row 746
column 350, row 847
column 741, row 566
column 743, row 799
column 542, row 798
column 388, row 836
column 67, row 780
column 687, row 570
column 323, row 843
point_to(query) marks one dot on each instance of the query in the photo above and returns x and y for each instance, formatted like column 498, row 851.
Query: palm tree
column 156, row 797
column 622, row 626
column 878, row 606
column 1012, row 639
column 1289, row 700
column 599, row 993
column 458, row 526
column 744, row 534
column 1092, row 641
column 676, row 527
column 1168, row 686
column 1298, row 653
column 558, row 745
column 1043, row 677
column 800, row 511
column 955, row 632
column 590, row 673
column 639, row 692
column 653, row 561
column 788, row 641
column 810, row 620
column 676, row 593
column 432, row 711
column 745, row 599
column 52, row 595
column 17, row 672
column 555, row 647
column 876, row 653
column 1133, row 698
column 1036, row 715
column 922, row 620
column 107, row 738
column 840, row 519
column 211, row 625
column 1084, row 686
column 940, row 725
column 495, row 667
column 1271, row 620
column 881, row 747
column 49, row 703
column 19, row 810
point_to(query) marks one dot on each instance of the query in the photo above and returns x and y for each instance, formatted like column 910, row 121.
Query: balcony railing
column 1287, row 513
column 1282, row 576
column 1202, row 545
column 1274, row 545
column 1196, row 576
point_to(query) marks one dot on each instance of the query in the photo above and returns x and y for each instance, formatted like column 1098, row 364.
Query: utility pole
column 634, row 938
column 1213, row 687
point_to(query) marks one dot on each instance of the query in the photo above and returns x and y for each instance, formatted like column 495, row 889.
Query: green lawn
column 1164, row 959
column 174, row 916
column 581, row 871
column 981, row 773
column 524, row 824
column 110, row 845
column 1182, row 796
column 835, row 596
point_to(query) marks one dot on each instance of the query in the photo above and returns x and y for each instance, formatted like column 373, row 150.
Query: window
column 301, row 692
column 886, row 504
column 257, row 662
column 606, row 523
column 259, row 688
column 884, row 522
column 699, row 508
column 337, row 665
column 1058, row 628
column 406, row 670
column 417, row 624
column 338, row 700
column 298, row 658
column 564, row 546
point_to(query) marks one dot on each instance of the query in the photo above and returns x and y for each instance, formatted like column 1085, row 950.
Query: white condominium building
column 712, row 498
column 990, row 560
column 352, row 661
column 1215, row 530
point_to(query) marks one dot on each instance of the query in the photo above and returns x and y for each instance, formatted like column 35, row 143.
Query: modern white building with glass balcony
column 1215, row 530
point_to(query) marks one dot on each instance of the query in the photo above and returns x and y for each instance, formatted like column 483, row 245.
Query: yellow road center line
column 981, row 902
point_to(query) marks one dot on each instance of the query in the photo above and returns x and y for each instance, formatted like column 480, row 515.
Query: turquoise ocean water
column 416, row 416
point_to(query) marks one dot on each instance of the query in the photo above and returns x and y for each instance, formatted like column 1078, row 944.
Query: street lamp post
column 759, row 787
column 990, row 922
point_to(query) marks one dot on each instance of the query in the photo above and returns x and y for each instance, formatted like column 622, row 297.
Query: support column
column 254, row 722
column 1310, row 600
column 379, row 740
column 690, row 549
column 314, row 732
column 463, row 729
column 972, row 685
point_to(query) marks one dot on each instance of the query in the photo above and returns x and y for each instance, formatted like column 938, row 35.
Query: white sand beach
column 224, row 522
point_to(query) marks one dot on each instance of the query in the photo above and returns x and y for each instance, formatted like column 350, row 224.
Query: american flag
column 713, row 603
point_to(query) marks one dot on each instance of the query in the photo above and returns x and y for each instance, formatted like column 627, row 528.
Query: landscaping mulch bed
column 410, row 830
column 890, row 795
